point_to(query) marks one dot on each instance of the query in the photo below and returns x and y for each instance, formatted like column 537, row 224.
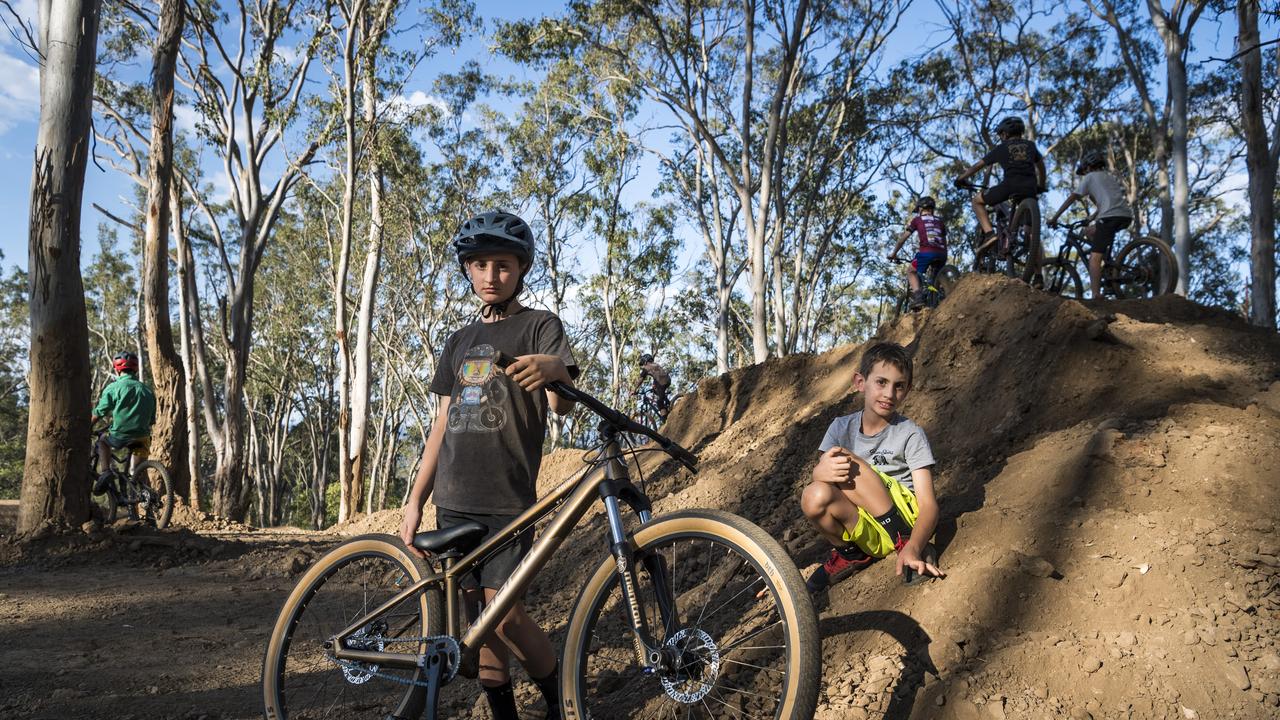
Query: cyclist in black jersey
column 1024, row 173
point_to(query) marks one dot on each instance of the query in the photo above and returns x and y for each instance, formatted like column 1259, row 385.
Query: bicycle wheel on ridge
column 1144, row 268
column 736, row 655
column 300, row 676
column 155, row 493
column 1061, row 278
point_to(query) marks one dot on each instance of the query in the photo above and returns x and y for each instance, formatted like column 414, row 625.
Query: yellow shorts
column 869, row 534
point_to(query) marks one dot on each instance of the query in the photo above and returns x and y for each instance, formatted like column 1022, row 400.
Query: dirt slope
column 1109, row 504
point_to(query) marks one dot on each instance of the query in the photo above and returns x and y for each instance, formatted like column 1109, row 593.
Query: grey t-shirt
column 1106, row 193
column 493, row 443
column 895, row 451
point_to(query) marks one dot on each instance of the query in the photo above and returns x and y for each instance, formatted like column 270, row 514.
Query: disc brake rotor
column 697, row 666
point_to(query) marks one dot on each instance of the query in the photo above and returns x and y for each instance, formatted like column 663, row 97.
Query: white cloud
column 19, row 93
column 402, row 105
column 185, row 118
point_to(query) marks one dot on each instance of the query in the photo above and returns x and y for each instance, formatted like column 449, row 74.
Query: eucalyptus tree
column 1259, row 104
column 247, row 97
column 138, row 127
column 55, row 487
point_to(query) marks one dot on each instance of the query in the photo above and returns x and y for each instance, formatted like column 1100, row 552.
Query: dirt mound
column 1109, row 504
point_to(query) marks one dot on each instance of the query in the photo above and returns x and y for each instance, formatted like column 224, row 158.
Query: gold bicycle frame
column 576, row 494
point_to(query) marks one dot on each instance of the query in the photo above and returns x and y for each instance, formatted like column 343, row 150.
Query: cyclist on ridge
column 661, row 381
column 131, row 405
column 932, row 233
column 1024, row 175
column 1113, row 212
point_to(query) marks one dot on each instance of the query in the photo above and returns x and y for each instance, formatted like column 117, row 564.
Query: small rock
column 1238, row 676
column 1115, row 653
column 1190, row 637
column 1189, row 714
column 1092, row 665
column 1270, row 661
column 1127, row 639
column 153, row 689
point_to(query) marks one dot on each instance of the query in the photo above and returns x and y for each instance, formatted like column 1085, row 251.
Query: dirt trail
column 1110, row 503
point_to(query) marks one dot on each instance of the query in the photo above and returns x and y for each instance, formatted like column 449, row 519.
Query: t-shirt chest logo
column 480, row 395
column 881, row 458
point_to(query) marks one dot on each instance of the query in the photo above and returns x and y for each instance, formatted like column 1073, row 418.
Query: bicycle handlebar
column 614, row 418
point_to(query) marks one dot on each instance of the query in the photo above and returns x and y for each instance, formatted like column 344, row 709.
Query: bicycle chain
column 455, row 656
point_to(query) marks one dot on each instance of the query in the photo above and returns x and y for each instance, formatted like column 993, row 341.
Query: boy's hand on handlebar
column 534, row 372
column 835, row 466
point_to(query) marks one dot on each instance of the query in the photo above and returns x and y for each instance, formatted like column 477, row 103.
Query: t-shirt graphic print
column 480, row 396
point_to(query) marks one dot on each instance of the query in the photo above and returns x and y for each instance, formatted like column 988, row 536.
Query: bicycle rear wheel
column 300, row 676
column 1145, row 268
column 730, row 654
column 154, row 493
column 1061, row 278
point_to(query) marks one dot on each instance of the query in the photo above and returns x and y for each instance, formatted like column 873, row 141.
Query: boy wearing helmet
column 932, row 233
column 131, row 405
column 482, row 455
column 1113, row 212
column 661, row 381
column 1024, row 173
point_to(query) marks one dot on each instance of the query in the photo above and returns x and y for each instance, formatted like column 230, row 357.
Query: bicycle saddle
column 461, row 539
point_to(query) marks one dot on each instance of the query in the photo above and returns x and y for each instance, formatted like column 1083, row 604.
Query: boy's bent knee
column 817, row 497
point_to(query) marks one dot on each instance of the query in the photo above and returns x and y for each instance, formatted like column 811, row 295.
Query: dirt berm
column 1109, row 496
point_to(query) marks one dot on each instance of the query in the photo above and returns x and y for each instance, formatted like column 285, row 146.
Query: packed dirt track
column 1109, row 493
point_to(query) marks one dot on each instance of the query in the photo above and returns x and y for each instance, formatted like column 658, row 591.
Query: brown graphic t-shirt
column 493, row 443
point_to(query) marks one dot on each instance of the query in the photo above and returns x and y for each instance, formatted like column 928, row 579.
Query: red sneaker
column 842, row 563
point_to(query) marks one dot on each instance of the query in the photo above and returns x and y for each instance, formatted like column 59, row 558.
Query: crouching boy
column 872, row 490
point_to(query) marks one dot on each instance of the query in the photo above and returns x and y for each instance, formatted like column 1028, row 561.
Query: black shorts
column 494, row 570
column 116, row 442
column 1104, row 233
column 997, row 194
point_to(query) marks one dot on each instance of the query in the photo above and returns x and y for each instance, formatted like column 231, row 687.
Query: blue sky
column 19, row 108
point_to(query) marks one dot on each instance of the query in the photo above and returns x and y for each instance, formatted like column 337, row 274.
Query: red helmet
column 125, row 361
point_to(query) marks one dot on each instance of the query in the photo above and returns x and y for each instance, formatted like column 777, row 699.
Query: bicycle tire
column 1144, row 268
column 1061, row 278
column 335, row 591
column 109, row 504
column 158, row 508
column 785, row 651
column 1026, row 228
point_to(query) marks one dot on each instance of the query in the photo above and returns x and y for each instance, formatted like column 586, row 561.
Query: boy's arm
column 970, row 172
column 425, row 480
column 912, row 553
column 1065, row 204
column 902, row 239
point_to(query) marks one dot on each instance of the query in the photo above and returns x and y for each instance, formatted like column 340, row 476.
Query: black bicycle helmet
column 125, row 361
column 1011, row 125
column 1091, row 161
column 494, row 231
column 646, row 358
column 926, row 203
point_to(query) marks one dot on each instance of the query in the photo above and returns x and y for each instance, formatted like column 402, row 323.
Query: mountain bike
column 936, row 283
column 649, row 409
column 145, row 490
column 1144, row 268
column 669, row 624
column 1017, row 240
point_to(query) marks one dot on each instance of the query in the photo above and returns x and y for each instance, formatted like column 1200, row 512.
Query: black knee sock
column 897, row 526
column 550, row 687
column 502, row 701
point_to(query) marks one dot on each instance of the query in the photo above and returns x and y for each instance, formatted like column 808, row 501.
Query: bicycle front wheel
column 1061, row 278
column 729, row 611
column 1145, row 268
column 154, row 491
column 300, row 676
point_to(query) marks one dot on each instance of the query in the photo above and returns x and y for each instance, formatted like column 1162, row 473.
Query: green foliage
column 14, row 399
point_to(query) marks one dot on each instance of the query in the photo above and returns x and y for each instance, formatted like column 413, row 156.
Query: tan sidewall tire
column 804, row 664
column 376, row 543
